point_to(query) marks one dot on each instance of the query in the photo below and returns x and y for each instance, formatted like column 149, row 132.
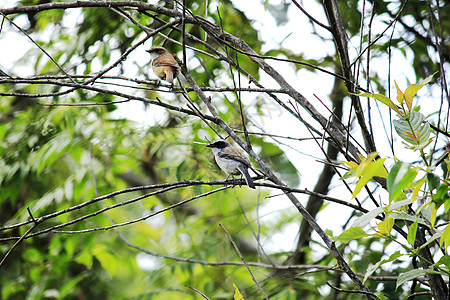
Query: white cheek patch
column 154, row 55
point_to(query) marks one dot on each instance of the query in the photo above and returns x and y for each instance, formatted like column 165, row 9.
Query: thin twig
column 311, row 17
column 85, row 104
column 253, row 232
column 194, row 289
column 39, row 46
column 417, row 294
column 245, row 263
column 399, row 13
column 31, row 216
column 17, row 243
column 158, row 83
column 135, row 220
column 351, row 291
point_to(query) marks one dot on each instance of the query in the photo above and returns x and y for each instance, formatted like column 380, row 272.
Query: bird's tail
column 248, row 179
column 169, row 76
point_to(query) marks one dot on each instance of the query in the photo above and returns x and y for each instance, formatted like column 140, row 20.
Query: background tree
column 106, row 193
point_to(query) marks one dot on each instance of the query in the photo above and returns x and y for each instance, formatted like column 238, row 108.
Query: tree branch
column 272, row 177
column 340, row 40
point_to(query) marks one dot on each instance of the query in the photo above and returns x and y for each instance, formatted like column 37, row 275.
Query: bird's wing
column 235, row 156
column 173, row 64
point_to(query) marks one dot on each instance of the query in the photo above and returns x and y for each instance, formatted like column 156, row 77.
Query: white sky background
column 295, row 35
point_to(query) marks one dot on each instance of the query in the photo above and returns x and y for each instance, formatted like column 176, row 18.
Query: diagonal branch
column 272, row 177
column 39, row 46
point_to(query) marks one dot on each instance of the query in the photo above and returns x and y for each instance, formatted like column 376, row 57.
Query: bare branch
column 39, row 46
column 311, row 17
column 340, row 40
column 351, row 291
column 243, row 260
column 25, row 235
column 194, row 289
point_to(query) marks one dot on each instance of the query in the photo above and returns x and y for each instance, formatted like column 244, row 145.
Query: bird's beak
column 209, row 145
column 147, row 51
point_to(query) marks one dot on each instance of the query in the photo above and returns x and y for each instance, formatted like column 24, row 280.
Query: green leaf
column 445, row 260
column 407, row 217
column 444, row 168
column 435, row 236
column 351, row 234
column 410, row 275
column 347, row 175
column 433, row 180
column 365, row 219
column 447, row 205
column 441, row 195
column 413, row 130
column 411, row 238
column 398, row 204
column 400, row 177
column 50, row 152
column 69, row 286
column 433, row 214
column 180, row 171
column 374, row 267
column 428, row 79
column 277, row 159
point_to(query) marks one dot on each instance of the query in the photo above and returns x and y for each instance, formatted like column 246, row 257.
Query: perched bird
column 163, row 64
column 231, row 160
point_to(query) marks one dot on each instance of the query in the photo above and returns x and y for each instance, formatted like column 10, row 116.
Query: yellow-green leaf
column 446, row 236
column 350, row 164
column 385, row 226
column 383, row 99
column 433, row 214
column 373, row 168
column 412, row 90
column 417, row 185
column 237, row 293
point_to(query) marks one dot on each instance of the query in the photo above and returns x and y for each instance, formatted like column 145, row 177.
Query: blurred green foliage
column 52, row 158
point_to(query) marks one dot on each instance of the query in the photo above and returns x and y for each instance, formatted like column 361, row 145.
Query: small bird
column 163, row 64
column 231, row 160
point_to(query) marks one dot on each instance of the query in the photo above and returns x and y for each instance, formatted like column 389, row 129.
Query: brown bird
column 163, row 64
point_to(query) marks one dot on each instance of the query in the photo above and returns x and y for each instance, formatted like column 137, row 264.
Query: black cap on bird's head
column 157, row 50
column 218, row 144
